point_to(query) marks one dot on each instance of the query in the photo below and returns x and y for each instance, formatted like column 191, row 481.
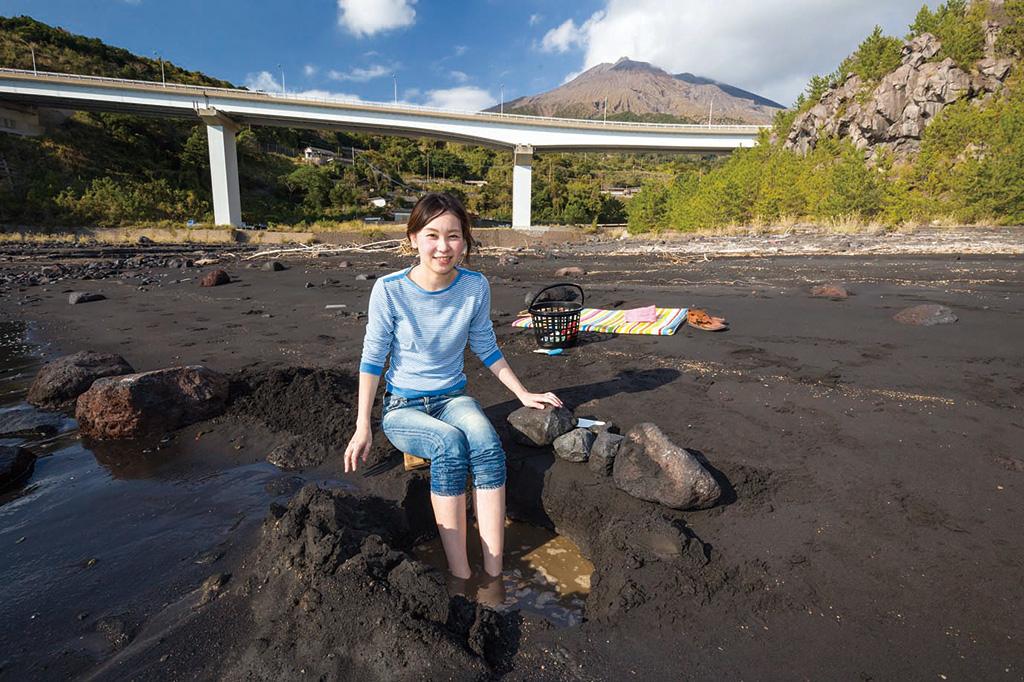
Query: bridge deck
column 12, row 77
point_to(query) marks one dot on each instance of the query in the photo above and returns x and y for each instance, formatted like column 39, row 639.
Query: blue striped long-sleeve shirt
column 425, row 332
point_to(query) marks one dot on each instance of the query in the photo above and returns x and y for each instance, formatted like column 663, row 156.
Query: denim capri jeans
column 452, row 431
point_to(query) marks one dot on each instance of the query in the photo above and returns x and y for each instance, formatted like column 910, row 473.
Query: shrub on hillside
column 111, row 202
column 1011, row 39
column 958, row 26
column 875, row 57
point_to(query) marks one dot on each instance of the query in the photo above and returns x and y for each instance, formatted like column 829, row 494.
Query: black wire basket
column 556, row 323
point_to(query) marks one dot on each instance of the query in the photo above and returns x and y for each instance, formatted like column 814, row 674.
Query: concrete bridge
column 224, row 110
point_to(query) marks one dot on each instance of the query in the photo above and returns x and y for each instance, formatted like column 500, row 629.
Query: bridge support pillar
column 522, row 177
column 220, row 134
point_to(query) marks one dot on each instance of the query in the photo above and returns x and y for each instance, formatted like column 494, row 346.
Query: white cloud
column 366, row 17
column 309, row 70
column 460, row 50
column 462, row 98
column 535, row 19
column 771, row 47
column 563, row 38
column 458, row 76
column 262, row 81
column 265, row 82
column 360, row 75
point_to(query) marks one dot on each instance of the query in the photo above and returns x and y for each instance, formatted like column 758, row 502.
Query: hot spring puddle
column 545, row 573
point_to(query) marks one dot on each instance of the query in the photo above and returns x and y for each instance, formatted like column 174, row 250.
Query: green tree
column 648, row 208
column 478, row 160
column 780, row 191
column 583, row 202
column 612, row 210
column 195, row 155
column 840, row 182
column 312, row 184
column 817, row 87
column 1011, row 40
column 110, row 202
column 496, row 198
column 877, row 56
column 958, row 26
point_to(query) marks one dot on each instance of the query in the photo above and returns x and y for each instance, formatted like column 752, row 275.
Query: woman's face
column 440, row 244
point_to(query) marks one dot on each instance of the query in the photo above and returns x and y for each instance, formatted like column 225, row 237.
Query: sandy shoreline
column 874, row 524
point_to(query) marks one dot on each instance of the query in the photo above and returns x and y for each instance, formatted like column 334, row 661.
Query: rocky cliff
column 893, row 114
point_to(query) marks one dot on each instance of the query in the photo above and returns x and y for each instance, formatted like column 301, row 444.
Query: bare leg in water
column 489, row 505
column 450, row 515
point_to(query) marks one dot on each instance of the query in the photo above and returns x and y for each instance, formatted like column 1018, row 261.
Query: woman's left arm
column 504, row 372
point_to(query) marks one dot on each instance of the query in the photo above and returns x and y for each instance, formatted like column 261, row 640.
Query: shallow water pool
column 545, row 573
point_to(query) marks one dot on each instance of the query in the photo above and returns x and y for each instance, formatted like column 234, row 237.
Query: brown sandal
column 699, row 319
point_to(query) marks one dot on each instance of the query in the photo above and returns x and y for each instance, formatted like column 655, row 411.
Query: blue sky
column 459, row 54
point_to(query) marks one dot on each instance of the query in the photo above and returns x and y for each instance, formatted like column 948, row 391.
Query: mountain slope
column 638, row 89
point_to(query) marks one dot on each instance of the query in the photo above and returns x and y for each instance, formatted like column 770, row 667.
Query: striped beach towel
column 614, row 322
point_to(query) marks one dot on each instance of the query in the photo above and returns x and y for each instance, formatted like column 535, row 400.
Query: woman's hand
column 539, row 400
column 358, row 447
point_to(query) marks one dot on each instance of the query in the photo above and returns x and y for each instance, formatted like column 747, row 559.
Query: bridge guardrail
column 200, row 89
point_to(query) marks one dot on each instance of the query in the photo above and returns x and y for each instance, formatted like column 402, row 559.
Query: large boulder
column 151, row 402
column 59, row 382
column 539, row 428
column 575, row 445
column 603, row 452
column 837, row 292
column 651, row 467
column 15, row 465
column 926, row 315
column 76, row 297
column 215, row 278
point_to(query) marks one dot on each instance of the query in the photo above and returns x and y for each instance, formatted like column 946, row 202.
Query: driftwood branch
column 324, row 249
column 385, row 246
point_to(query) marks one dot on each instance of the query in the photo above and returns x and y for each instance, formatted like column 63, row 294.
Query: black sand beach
column 871, row 524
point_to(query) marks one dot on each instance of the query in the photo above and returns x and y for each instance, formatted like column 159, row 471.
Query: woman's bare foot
column 491, row 591
column 455, row 585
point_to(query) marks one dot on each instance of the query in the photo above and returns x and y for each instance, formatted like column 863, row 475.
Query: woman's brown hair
column 433, row 204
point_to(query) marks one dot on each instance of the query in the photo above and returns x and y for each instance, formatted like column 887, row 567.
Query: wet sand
column 871, row 527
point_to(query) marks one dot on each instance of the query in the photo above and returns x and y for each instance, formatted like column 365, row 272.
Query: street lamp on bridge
column 32, row 51
column 162, row 79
